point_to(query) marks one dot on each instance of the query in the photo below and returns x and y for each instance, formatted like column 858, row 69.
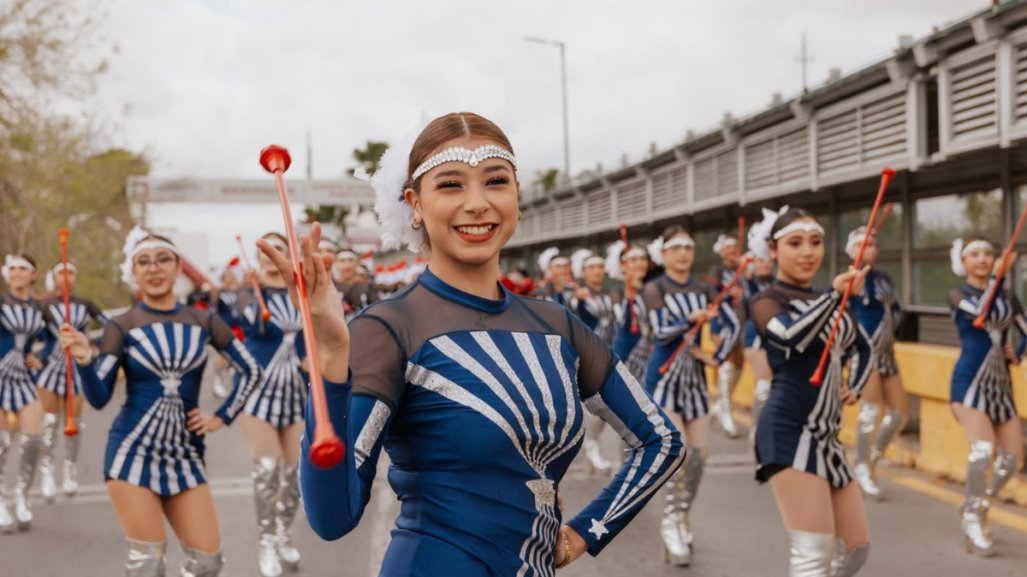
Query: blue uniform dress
column 981, row 377
column 878, row 311
column 632, row 346
column 480, row 404
column 548, row 292
column 277, row 345
column 597, row 312
column 798, row 427
column 723, row 274
column 682, row 389
column 163, row 354
column 752, row 287
column 22, row 323
column 54, row 376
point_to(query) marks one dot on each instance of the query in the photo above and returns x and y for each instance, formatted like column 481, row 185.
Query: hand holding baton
column 1002, row 268
column 629, row 286
column 265, row 315
column 70, row 428
column 327, row 449
column 818, row 375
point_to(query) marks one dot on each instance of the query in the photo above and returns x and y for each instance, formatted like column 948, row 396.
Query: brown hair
column 449, row 127
column 674, row 230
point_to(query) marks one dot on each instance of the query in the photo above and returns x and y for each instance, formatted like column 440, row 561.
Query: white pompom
column 956, row 255
column 655, row 249
column 613, row 253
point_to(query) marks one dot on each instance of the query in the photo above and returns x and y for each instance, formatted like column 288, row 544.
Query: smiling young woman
column 476, row 394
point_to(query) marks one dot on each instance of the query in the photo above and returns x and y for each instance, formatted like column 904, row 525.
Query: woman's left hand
column 704, row 357
column 578, row 546
column 201, row 424
column 33, row 362
column 1011, row 355
column 847, row 395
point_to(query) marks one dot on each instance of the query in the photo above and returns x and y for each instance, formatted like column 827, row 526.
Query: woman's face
column 635, row 266
column 869, row 254
column 58, row 279
column 979, row 262
column 594, row 274
column 799, row 255
column 468, row 212
column 20, row 277
column 345, row 265
column 729, row 254
column 679, row 258
column 155, row 271
column 763, row 267
column 265, row 264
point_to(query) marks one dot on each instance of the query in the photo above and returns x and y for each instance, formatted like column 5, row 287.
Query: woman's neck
column 680, row 277
column 476, row 279
column 980, row 282
column 22, row 293
column 164, row 302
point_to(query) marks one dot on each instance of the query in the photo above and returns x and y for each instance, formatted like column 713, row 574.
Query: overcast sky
column 203, row 85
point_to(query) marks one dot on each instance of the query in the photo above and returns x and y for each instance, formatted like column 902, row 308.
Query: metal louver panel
column 884, row 128
column 670, row 188
column 761, row 165
column 973, row 97
column 837, row 144
column 727, row 172
column 572, row 216
column 705, row 179
column 1020, row 79
column 631, row 199
column 793, row 155
column 600, row 208
column 547, row 219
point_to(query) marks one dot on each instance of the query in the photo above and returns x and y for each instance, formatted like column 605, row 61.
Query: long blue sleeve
column 786, row 333
column 99, row 377
column 731, row 329
column 246, row 368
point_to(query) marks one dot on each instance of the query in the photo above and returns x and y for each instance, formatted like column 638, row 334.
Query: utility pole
column 563, row 90
column 804, row 60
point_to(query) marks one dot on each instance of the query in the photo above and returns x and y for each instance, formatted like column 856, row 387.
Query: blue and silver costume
column 163, row 354
column 548, row 292
column 22, row 323
column 632, row 346
column 752, row 287
column 432, row 364
column 277, row 345
column 597, row 312
column 798, row 427
column 980, row 379
column 54, row 375
column 878, row 311
column 682, row 389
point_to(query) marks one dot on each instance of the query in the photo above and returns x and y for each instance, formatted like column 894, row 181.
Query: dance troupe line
column 413, row 361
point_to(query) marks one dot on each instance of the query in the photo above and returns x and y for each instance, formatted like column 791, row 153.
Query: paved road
column 738, row 529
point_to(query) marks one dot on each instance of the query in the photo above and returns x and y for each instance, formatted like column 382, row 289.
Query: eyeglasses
column 161, row 261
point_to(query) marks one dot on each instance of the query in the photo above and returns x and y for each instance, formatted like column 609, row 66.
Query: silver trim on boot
column 47, row 478
column 265, row 496
column 975, row 505
column 288, row 505
column 69, row 481
column 865, row 424
column 891, row 425
column 201, row 564
column 6, row 520
column 146, row 559
column 810, row 553
column 725, row 373
column 674, row 530
column 30, row 447
column 848, row 563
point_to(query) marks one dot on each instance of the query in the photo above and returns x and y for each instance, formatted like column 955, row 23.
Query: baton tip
column 327, row 453
column 275, row 158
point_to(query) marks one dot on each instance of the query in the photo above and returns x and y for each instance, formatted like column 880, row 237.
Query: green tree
column 369, row 156
column 548, row 180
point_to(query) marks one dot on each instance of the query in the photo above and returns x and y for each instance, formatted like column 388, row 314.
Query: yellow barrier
column 926, row 372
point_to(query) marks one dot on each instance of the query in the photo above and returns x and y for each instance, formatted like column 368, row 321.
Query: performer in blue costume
column 356, row 293
column 22, row 324
column 760, row 278
column 272, row 420
column 632, row 336
column 455, row 352
column 982, row 392
column 52, row 381
column 729, row 371
column 878, row 311
column 557, row 285
column 153, row 464
column 797, row 446
column 675, row 303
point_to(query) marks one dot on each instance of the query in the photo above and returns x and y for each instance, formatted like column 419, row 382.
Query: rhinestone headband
column 466, row 155
column 560, row 260
column 11, row 261
column 685, row 242
column 802, row 226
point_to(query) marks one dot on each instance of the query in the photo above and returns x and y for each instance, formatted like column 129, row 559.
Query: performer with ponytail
column 878, row 311
column 761, row 279
column 455, row 352
column 23, row 322
column 676, row 303
column 797, row 446
column 729, row 371
column 52, row 381
column 981, row 391
column 154, row 462
column 272, row 420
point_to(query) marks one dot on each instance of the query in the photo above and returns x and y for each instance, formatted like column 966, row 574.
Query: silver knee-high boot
column 47, row 479
column 810, row 554
column 725, row 375
column 288, row 505
column 975, row 506
column 265, row 492
column 145, row 559
column 676, row 527
column 848, row 563
column 30, row 447
column 865, row 424
column 200, row 564
column 759, row 399
column 594, row 457
column 6, row 521
column 891, row 425
column 71, row 445
column 1002, row 472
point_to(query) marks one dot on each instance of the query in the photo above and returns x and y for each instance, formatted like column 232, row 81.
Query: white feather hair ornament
column 723, row 241
column 855, row 240
column 956, row 254
column 655, row 249
column 578, row 259
column 613, row 254
column 547, row 257
column 759, row 233
column 135, row 235
column 394, row 214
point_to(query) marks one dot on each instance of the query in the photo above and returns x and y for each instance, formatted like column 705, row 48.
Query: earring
column 518, row 215
column 415, row 224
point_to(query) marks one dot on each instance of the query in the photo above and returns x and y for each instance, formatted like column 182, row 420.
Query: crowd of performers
column 414, row 356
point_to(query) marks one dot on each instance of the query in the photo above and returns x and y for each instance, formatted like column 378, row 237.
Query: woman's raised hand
column 841, row 281
column 77, row 342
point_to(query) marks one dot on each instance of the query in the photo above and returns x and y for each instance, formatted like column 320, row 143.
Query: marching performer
column 455, row 352
column 228, row 309
column 52, row 381
column 878, row 311
column 730, row 370
column 154, row 464
column 632, row 337
column 981, row 391
column 272, row 419
column 557, row 285
column 676, row 375
column 761, row 279
column 22, row 324
column 797, row 446
column 356, row 293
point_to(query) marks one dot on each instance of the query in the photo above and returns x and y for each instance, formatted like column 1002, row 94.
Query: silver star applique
column 598, row 529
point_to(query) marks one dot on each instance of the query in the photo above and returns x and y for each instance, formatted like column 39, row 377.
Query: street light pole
column 563, row 91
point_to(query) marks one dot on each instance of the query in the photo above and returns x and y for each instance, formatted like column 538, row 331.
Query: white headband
column 724, row 241
column 685, row 242
column 466, row 155
column 959, row 250
column 12, row 261
column 347, row 255
column 560, row 260
column 51, row 283
column 633, row 252
column 855, row 239
column 976, row 245
column 799, row 226
column 593, row 260
column 151, row 245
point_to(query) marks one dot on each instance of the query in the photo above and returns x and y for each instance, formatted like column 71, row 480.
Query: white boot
column 725, row 372
column 47, row 480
